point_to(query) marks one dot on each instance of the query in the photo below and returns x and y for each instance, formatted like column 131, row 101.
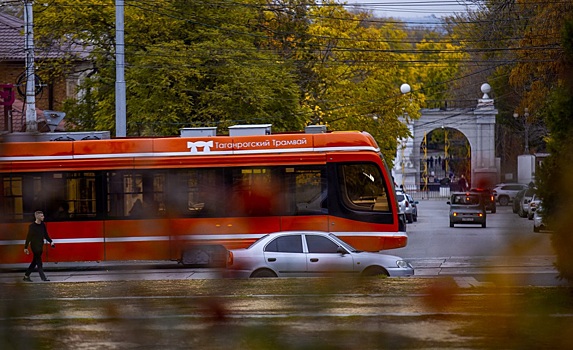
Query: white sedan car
column 310, row 253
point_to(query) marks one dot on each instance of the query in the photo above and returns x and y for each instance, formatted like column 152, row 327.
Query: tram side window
column 257, row 191
column 80, row 197
column 136, row 194
column 60, row 195
column 11, row 200
column 197, row 193
column 363, row 187
column 24, row 194
column 310, row 190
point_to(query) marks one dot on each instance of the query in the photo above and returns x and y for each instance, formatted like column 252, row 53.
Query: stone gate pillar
column 484, row 169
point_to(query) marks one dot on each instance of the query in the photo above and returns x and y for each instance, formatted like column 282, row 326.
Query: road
column 507, row 247
column 506, row 234
column 507, row 250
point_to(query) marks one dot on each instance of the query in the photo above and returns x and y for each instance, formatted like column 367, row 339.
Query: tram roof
column 189, row 146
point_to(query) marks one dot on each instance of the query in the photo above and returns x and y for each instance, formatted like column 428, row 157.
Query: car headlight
column 402, row 264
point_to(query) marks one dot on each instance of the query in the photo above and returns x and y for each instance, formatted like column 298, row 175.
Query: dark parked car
column 521, row 201
column 413, row 206
column 488, row 198
column 523, row 208
column 517, row 201
column 467, row 208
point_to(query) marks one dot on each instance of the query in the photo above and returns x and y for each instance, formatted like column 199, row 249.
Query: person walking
column 463, row 183
column 37, row 232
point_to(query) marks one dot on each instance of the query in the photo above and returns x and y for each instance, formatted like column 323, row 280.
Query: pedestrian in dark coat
column 37, row 233
column 463, row 183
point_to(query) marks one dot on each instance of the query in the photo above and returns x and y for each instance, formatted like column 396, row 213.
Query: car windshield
column 465, row 199
column 344, row 244
column 399, row 197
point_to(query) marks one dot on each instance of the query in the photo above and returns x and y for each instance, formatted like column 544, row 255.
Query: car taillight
column 491, row 198
column 407, row 204
column 480, row 215
column 229, row 258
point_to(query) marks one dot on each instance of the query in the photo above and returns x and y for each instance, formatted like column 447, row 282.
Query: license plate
column 467, row 219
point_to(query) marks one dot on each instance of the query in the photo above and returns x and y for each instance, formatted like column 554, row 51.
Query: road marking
column 470, row 282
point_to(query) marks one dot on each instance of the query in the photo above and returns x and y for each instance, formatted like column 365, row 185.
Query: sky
column 412, row 8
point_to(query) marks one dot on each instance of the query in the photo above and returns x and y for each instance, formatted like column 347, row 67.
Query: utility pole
column 120, row 103
column 31, row 118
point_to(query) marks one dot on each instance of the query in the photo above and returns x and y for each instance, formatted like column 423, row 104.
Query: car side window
column 319, row 244
column 285, row 244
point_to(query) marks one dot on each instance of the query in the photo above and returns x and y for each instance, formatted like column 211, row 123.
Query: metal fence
column 433, row 191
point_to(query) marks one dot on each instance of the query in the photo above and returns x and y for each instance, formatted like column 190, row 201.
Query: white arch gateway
column 478, row 126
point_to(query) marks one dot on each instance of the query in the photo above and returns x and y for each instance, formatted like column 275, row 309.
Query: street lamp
column 404, row 89
column 525, row 127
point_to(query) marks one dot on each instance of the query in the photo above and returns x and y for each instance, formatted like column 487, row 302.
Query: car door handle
column 272, row 259
column 314, row 260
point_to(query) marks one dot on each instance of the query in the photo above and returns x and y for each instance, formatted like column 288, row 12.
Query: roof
column 19, row 117
column 12, row 43
column 11, row 38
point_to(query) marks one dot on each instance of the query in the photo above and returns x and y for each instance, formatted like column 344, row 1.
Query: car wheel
column 416, row 217
column 409, row 218
column 503, row 200
column 451, row 224
column 493, row 210
column 535, row 228
column 263, row 273
column 375, row 271
column 483, row 225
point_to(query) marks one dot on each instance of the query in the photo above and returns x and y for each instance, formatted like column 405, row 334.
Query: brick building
column 54, row 91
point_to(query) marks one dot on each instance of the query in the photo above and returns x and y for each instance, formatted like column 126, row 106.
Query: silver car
column 533, row 204
column 404, row 206
column 310, row 253
column 538, row 222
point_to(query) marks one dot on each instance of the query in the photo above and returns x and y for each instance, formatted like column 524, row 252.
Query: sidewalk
column 460, row 268
column 461, row 265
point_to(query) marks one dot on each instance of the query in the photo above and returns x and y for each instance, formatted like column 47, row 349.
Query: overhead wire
column 395, row 51
column 341, row 49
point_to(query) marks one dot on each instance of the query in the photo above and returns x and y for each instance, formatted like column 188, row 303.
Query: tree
column 285, row 62
column 554, row 184
column 440, row 57
column 357, row 77
column 187, row 64
column 531, row 47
